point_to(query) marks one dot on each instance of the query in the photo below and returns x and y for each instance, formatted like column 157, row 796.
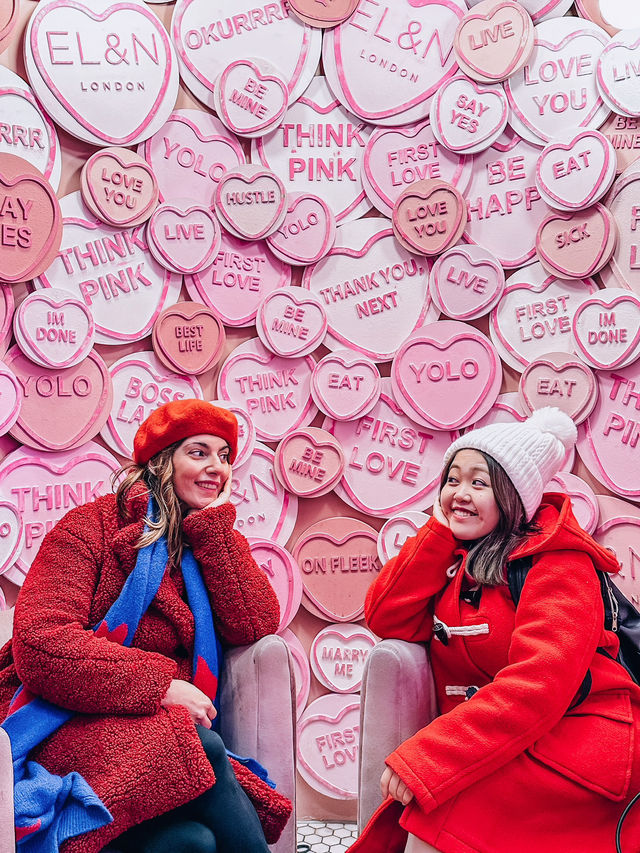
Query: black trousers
column 222, row 820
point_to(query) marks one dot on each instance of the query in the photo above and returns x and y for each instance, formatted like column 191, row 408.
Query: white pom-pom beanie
column 531, row 452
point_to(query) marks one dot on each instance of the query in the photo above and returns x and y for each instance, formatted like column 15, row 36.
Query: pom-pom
column 552, row 420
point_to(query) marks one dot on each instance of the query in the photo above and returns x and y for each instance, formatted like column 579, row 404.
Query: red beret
column 179, row 420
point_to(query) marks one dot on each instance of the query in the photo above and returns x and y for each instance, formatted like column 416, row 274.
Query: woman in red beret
column 107, row 688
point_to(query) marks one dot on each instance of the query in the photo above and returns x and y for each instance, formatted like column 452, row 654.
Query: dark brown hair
column 487, row 557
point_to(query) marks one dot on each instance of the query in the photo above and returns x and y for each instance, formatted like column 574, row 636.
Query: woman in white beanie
column 537, row 746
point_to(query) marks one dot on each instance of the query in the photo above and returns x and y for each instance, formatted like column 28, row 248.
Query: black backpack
column 620, row 616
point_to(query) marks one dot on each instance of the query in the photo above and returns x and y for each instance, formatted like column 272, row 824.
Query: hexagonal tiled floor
column 315, row 836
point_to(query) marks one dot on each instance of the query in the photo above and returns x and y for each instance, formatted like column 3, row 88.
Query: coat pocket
column 594, row 749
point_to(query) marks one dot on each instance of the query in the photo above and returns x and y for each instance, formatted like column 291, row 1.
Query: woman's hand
column 438, row 514
column 197, row 703
column 391, row 785
column 224, row 495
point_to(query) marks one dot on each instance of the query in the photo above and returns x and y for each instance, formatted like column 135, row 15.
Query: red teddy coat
column 140, row 758
column 512, row 768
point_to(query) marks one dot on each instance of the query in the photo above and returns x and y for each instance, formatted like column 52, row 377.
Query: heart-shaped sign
column 328, row 744
column 53, row 330
column 374, row 291
column 466, row 282
column 264, row 508
column 395, row 532
column 623, row 133
column 467, row 117
column 112, row 272
column 535, row 314
column 291, row 322
column 606, row 328
column 395, row 81
column 345, row 385
column 189, row 155
column 30, row 220
column 397, row 157
column 494, row 41
column 446, row 375
column 578, row 244
column 385, row 476
column 132, row 84
column 608, row 438
column 611, row 15
column 188, row 338
column 622, row 202
column 283, row 574
column 250, row 98
column 10, row 399
column 183, row 236
column 306, row 233
column 275, row 391
column 338, row 655
column 617, row 77
column 576, row 171
column 583, row 499
column 309, row 462
column 338, row 560
column 251, row 202
column 141, row 383
column 323, row 14
column 61, row 409
column 562, row 380
column 238, row 280
column 619, row 531
column 11, row 536
column 246, row 432
column 72, row 478
column 556, row 90
column 301, row 669
column 119, row 187
column 429, row 216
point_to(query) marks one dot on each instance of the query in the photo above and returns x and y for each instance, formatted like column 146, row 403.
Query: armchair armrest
column 397, row 699
column 257, row 710
column 6, row 625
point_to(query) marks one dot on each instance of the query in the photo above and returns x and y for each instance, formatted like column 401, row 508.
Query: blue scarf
column 49, row 809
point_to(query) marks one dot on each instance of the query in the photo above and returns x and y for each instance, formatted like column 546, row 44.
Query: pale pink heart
column 57, row 332
column 121, row 187
column 338, row 655
column 578, row 244
column 611, row 15
column 617, row 72
column 243, row 79
column 608, row 438
column 395, row 532
column 385, row 479
column 73, row 477
column 345, row 385
column 61, row 409
column 429, row 216
column 326, row 552
column 189, row 155
column 307, row 232
column 11, row 535
column 183, row 238
column 309, row 462
column 446, row 375
column 619, row 531
column 466, row 282
column 500, row 56
column 10, row 398
column 48, row 157
column 264, row 508
column 101, row 114
column 141, row 383
column 397, row 157
column 583, row 499
column 328, row 744
column 574, row 173
column 291, row 321
column 275, row 391
column 461, row 126
column 551, row 93
column 368, row 89
column 622, row 201
column 283, row 574
column 618, row 342
column 252, row 205
column 561, row 380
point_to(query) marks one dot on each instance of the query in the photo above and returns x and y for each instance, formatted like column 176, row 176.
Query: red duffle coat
column 512, row 768
column 140, row 758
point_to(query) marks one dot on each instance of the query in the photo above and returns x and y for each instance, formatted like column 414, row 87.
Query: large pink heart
column 446, row 375
column 121, row 186
column 328, row 744
column 561, row 380
column 151, row 54
column 606, row 337
column 283, row 574
column 54, row 331
column 481, row 122
column 622, row 201
column 188, row 338
column 573, row 173
column 10, row 399
column 345, row 385
column 309, row 462
column 240, row 81
column 578, row 244
column 275, row 391
column 71, row 478
column 6, row 316
column 11, row 535
column 495, row 60
column 251, row 205
column 61, row 409
column 338, row 655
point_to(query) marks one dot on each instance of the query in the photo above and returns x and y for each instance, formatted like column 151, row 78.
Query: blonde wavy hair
column 157, row 476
